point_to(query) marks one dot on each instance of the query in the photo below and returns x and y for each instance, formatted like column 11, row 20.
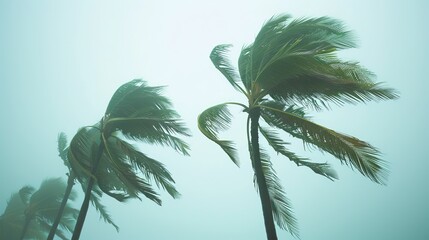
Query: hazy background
column 60, row 62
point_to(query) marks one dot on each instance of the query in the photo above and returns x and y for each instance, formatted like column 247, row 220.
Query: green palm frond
column 281, row 207
column 295, row 61
column 281, row 38
column 151, row 168
column 101, row 209
column 215, row 119
column 219, row 58
column 244, row 66
column 96, row 195
column 136, row 98
column 278, row 145
column 324, row 82
column 350, row 150
column 116, row 161
column 15, row 206
column 62, row 146
column 25, row 193
column 153, row 131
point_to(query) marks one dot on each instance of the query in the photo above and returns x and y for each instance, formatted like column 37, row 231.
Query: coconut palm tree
column 292, row 67
column 102, row 156
column 30, row 213
column 96, row 193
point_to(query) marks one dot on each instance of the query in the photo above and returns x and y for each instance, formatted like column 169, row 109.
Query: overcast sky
column 60, row 62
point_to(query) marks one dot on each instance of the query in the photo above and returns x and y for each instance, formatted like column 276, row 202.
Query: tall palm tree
column 102, row 156
column 30, row 213
column 96, row 193
column 290, row 68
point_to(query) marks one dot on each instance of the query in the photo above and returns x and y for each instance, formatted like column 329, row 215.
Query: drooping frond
column 281, row 207
column 151, row 168
column 213, row 120
column 101, row 209
column 278, row 145
column 350, row 150
column 114, row 160
column 220, row 60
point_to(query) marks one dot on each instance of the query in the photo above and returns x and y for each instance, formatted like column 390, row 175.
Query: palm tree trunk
column 85, row 205
column 70, row 183
column 260, row 178
column 24, row 230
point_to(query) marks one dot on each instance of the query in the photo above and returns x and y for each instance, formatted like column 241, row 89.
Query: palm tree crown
column 102, row 157
column 290, row 68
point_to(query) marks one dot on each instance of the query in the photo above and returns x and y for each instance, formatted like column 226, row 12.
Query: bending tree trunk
column 70, row 183
column 260, row 178
column 24, row 230
column 85, row 205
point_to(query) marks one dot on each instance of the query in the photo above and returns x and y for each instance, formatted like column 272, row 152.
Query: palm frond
column 46, row 228
column 151, row 168
column 348, row 149
column 80, row 153
column 278, row 145
column 219, row 58
column 295, row 61
column 318, row 83
column 281, row 207
column 101, row 209
column 115, row 161
column 25, row 193
column 213, row 120
column 244, row 66
column 153, row 131
column 136, row 99
column 280, row 38
column 62, row 146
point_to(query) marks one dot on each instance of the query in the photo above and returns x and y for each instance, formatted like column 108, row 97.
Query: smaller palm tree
column 102, row 156
column 30, row 213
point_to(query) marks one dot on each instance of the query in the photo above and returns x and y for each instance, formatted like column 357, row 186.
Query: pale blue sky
column 60, row 63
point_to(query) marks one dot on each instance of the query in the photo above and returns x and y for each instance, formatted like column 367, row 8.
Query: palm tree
column 101, row 155
column 30, row 213
column 96, row 193
column 290, row 68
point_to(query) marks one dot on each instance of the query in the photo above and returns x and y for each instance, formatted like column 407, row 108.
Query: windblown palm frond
column 278, row 145
column 220, row 60
column 280, row 205
column 349, row 150
column 282, row 209
column 295, row 61
column 216, row 119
